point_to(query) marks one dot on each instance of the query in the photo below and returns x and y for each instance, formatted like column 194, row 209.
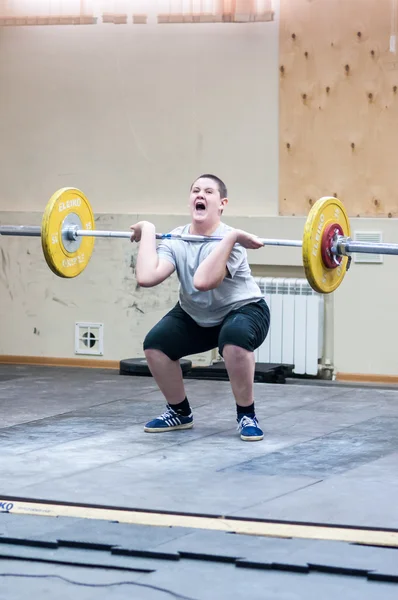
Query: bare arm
column 150, row 270
column 213, row 269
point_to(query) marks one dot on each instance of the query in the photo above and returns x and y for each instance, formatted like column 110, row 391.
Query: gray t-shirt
column 209, row 308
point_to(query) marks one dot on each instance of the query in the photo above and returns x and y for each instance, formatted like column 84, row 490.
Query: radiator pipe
column 328, row 339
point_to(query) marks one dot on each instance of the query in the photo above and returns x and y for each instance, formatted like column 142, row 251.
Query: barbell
column 68, row 232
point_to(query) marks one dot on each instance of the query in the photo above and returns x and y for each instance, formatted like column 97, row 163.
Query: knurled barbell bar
column 67, row 235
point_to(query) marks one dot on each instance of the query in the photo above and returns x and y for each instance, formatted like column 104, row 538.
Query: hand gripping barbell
column 67, row 236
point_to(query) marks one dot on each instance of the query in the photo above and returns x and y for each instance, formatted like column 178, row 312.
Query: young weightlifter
column 220, row 305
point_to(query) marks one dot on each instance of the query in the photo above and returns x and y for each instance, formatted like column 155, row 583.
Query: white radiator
column 297, row 321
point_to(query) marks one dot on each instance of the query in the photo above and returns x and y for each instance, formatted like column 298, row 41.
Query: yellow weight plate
column 72, row 205
column 326, row 211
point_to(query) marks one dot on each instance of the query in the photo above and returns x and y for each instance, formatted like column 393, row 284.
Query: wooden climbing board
column 338, row 106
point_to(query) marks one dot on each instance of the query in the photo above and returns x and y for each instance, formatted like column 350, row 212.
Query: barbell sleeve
column 23, row 230
column 370, row 247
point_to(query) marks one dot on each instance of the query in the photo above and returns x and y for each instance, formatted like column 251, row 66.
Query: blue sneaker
column 169, row 421
column 249, row 429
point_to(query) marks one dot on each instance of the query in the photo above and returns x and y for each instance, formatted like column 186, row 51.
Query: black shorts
column 178, row 335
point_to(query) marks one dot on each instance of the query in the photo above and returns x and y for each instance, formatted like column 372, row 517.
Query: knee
column 234, row 353
column 154, row 356
column 151, row 353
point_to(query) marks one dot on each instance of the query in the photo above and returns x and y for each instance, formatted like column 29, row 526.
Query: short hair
column 221, row 185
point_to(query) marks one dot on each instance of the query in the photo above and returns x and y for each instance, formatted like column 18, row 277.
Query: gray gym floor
column 329, row 456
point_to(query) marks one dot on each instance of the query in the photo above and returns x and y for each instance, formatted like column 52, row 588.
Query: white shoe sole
column 164, row 429
column 252, row 438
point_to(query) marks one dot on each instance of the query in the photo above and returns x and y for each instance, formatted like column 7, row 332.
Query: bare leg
column 167, row 374
column 240, row 365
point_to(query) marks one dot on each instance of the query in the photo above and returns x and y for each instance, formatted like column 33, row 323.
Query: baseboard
column 47, row 361
column 363, row 377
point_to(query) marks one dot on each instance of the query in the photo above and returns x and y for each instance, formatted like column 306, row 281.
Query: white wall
column 132, row 114
column 39, row 309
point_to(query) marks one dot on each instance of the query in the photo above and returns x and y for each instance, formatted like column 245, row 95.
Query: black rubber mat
column 139, row 366
column 264, row 372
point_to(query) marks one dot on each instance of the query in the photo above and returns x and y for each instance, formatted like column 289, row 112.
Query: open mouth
column 200, row 206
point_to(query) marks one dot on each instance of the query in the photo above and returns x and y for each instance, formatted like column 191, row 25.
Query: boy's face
column 205, row 201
